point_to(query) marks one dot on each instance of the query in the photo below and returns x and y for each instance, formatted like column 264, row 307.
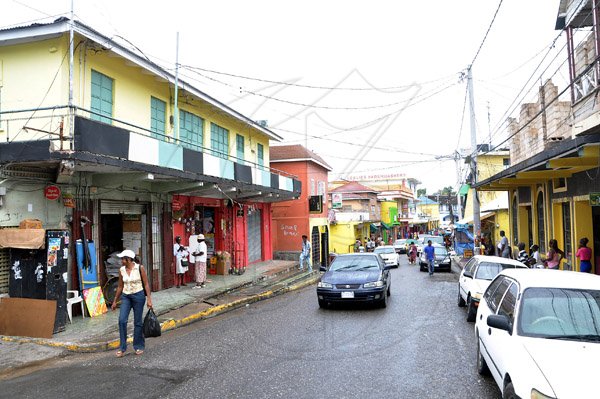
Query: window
column 312, row 187
column 515, row 221
column 541, row 225
column 559, row 185
column 566, row 216
column 158, row 117
column 489, row 293
column 498, row 294
column 470, row 266
column 321, row 188
column 102, row 97
column 506, row 162
column 507, row 307
column 219, row 140
column 240, row 148
column 260, row 155
column 190, row 130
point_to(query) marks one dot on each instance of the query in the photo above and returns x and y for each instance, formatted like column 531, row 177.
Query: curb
column 166, row 325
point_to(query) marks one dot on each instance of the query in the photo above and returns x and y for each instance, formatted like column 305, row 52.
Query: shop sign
column 176, row 205
column 594, row 199
column 52, row 193
column 336, row 200
column 240, row 213
column 68, row 200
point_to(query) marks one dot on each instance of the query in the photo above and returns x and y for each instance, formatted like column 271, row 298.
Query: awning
column 386, row 226
column 464, row 189
column 482, row 216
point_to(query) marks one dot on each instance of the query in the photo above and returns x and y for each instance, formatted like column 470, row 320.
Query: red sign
column 52, row 193
column 176, row 205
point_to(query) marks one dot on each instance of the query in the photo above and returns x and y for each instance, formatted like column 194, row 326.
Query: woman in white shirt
column 181, row 263
column 133, row 281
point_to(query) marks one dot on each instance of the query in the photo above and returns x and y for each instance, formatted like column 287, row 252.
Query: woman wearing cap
column 132, row 283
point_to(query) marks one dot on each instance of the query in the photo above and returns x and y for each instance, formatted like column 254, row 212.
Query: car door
column 492, row 297
column 501, row 346
column 466, row 282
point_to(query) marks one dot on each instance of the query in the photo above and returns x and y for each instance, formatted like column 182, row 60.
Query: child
column 522, row 257
column 535, row 254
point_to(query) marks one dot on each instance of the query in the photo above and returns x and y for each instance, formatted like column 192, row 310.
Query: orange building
column 306, row 215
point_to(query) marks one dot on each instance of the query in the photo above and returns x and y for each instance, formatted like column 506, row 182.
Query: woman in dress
column 181, row 263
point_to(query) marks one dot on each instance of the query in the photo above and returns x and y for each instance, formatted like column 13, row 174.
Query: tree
column 449, row 190
column 421, row 192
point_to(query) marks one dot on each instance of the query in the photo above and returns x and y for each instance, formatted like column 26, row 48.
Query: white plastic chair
column 72, row 299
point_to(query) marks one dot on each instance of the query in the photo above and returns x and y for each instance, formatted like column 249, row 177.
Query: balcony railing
column 587, row 82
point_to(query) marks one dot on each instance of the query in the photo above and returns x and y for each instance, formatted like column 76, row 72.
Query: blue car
column 357, row 277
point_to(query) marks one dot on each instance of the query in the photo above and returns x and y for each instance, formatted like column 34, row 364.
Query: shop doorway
column 254, row 234
column 596, row 223
column 315, row 241
column 325, row 248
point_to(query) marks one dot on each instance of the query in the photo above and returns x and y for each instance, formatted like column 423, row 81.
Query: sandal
column 120, row 353
column 138, row 352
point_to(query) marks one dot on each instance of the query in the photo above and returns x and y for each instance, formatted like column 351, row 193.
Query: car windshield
column 355, row 262
column 411, row 241
column 440, row 251
column 558, row 313
column 489, row 270
column 384, row 250
column 399, row 242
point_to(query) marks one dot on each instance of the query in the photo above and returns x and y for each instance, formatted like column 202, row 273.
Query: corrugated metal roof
column 295, row 152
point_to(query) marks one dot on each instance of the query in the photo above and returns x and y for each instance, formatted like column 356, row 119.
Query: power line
column 306, row 86
column 486, row 34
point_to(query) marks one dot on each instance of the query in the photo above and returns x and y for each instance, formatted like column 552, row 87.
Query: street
column 419, row 347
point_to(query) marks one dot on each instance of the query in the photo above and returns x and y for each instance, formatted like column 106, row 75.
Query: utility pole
column 176, row 105
column 476, row 216
column 457, row 161
column 71, row 111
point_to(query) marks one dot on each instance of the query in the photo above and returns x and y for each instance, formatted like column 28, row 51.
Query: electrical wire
column 486, row 34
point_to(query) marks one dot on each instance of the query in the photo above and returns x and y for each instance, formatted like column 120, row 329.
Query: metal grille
column 4, row 270
column 116, row 208
column 254, row 236
column 347, row 286
column 316, row 245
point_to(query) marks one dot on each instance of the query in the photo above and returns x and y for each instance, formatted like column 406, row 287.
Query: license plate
column 348, row 294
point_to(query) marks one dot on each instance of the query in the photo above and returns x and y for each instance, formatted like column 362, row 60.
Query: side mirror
column 322, row 269
column 501, row 322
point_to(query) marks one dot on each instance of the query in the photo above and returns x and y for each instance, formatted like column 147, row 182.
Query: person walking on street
column 199, row 253
column 305, row 254
column 133, row 281
column 503, row 246
column 554, row 255
column 430, row 253
column 412, row 253
column 181, row 262
column 584, row 253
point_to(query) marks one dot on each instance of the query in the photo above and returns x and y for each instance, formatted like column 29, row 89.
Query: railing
column 587, row 81
column 53, row 123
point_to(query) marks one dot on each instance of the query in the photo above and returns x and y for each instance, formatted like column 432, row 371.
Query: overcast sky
column 404, row 56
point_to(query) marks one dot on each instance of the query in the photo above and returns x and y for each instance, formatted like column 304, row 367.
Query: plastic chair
column 72, row 299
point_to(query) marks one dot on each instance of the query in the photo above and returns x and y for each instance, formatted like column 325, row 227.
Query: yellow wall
column 385, row 211
column 432, row 210
column 583, row 227
column 342, row 237
column 28, row 70
column 487, row 166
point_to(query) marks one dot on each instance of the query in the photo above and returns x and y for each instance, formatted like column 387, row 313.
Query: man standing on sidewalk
column 430, row 253
column 199, row 254
column 305, row 254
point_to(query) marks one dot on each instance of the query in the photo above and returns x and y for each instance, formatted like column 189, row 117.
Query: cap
column 127, row 253
column 201, row 236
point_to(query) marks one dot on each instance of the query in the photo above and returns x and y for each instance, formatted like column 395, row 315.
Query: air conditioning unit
column 263, row 123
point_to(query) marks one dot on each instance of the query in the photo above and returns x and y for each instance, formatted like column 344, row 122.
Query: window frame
column 94, row 87
column 156, row 121
column 219, row 141
column 260, row 154
column 188, row 140
column 501, row 311
column 240, row 150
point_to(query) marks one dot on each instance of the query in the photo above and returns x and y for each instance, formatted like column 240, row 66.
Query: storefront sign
column 176, row 205
column 594, row 199
column 68, row 200
column 240, row 213
column 52, row 193
column 336, row 200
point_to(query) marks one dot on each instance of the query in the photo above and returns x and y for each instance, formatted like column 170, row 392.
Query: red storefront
column 241, row 229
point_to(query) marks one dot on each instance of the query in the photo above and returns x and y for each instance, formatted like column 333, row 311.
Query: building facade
column 308, row 215
column 118, row 151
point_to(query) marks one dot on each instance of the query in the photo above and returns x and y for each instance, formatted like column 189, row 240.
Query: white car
column 389, row 255
column 475, row 277
column 538, row 333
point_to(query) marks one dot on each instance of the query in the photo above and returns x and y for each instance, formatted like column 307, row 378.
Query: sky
column 374, row 88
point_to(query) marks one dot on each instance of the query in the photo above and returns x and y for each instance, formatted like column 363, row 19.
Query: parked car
column 538, row 333
column 357, row 277
column 434, row 240
column 400, row 246
column 389, row 255
column 442, row 259
column 476, row 276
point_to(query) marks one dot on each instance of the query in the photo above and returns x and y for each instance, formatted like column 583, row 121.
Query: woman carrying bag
column 133, row 281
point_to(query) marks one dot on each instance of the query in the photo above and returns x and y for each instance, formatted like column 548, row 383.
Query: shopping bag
column 151, row 325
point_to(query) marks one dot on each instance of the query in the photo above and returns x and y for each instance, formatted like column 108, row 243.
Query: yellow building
column 493, row 205
column 428, row 211
column 117, row 145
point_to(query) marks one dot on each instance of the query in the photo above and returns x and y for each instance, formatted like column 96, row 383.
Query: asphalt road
column 286, row 347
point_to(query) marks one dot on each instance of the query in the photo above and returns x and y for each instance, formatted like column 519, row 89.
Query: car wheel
column 461, row 301
column 322, row 304
column 383, row 302
column 471, row 310
column 509, row 392
column 389, row 290
column 482, row 367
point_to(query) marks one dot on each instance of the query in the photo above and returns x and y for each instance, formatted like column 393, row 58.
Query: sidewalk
column 175, row 308
column 459, row 261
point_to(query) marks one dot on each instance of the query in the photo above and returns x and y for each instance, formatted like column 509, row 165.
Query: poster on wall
column 336, row 200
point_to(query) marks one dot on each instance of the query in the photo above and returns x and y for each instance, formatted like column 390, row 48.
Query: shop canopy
column 469, row 219
column 464, row 189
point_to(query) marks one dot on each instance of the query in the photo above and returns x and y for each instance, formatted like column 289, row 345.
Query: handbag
column 185, row 263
